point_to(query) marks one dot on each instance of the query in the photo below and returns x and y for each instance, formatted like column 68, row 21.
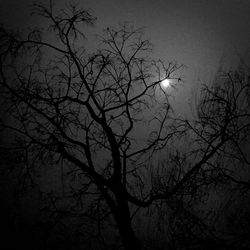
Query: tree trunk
column 123, row 221
column 128, row 237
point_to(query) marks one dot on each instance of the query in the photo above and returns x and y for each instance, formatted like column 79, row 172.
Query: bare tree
column 99, row 114
column 68, row 106
column 220, row 138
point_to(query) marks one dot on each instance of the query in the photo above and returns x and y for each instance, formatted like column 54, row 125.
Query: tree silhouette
column 98, row 114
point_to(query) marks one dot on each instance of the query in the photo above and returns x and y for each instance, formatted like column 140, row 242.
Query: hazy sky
column 197, row 33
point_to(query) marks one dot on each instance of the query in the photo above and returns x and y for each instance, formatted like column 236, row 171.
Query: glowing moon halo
column 165, row 83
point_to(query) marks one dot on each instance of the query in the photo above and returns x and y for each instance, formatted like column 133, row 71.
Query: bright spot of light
column 165, row 83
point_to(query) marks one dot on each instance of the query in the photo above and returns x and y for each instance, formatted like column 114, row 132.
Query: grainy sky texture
column 198, row 33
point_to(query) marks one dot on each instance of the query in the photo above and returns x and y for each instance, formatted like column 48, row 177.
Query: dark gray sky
column 198, row 33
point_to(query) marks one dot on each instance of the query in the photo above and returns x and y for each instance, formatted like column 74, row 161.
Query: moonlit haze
column 165, row 83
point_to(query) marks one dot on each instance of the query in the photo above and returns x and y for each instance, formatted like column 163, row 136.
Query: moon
column 165, row 83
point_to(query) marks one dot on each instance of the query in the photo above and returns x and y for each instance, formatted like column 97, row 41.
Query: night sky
column 199, row 34
column 202, row 35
